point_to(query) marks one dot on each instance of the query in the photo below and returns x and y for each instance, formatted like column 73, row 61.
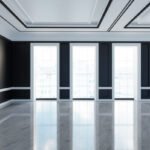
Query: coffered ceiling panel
column 58, row 13
column 136, row 18
column 142, row 19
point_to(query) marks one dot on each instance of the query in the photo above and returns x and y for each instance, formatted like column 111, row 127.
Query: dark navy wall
column 64, row 59
column 14, row 69
column 21, row 64
column 145, row 70
column 105, row 70
column 21, row 69
column 5, row 68
column 5, row 63
column 64, row 65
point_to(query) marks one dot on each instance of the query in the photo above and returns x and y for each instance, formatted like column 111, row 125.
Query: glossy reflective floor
column 78, row 125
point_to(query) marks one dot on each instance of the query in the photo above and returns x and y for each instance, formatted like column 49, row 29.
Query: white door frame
column 96, row 67
column 138, row 67
column 32, row 66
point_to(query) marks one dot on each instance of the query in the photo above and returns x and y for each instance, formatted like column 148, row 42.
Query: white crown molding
column 83, row 36
column 6, row 30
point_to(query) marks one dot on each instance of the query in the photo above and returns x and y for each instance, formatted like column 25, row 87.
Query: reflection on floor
column 78, row 125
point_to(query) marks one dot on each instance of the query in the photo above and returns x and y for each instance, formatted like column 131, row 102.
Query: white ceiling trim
column 133, row 10
column 83, row 36
column 5, row 30
column 114, row 11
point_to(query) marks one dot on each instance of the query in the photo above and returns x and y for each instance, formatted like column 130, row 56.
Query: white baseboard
column 7, row 103
column 20, row 100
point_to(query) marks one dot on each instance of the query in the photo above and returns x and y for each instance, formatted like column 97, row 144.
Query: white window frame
column 32, row 66
column 96, row 67
column 138, row 67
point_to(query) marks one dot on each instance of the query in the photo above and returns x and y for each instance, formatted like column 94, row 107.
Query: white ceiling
column 25, row 19
column 58, row 13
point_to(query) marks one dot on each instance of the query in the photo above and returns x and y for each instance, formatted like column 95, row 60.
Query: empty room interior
column 74, row 75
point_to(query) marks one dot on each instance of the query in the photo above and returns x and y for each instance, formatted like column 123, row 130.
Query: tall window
column 125, row 70
column 84, row 70
column 45, row 71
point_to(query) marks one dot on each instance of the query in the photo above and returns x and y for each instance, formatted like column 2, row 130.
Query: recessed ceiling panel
column 58, row 13
column 142, row 19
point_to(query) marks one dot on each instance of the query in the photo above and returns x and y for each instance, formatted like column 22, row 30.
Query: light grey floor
column 78, row 125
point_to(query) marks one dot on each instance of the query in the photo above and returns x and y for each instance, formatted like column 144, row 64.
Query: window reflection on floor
column 83, row 126
column 46, row 125
column 124, row 125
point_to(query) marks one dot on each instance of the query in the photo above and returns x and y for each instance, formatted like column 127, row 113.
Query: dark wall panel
column 20, row 94
column 145, row 64
column 5, row 63
column 64, row 65
column 105, row 94
column 21, row 64
column 105, row 64
column 145, row 94
column 5, row 96
column 64, row 94
column 5, row 68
